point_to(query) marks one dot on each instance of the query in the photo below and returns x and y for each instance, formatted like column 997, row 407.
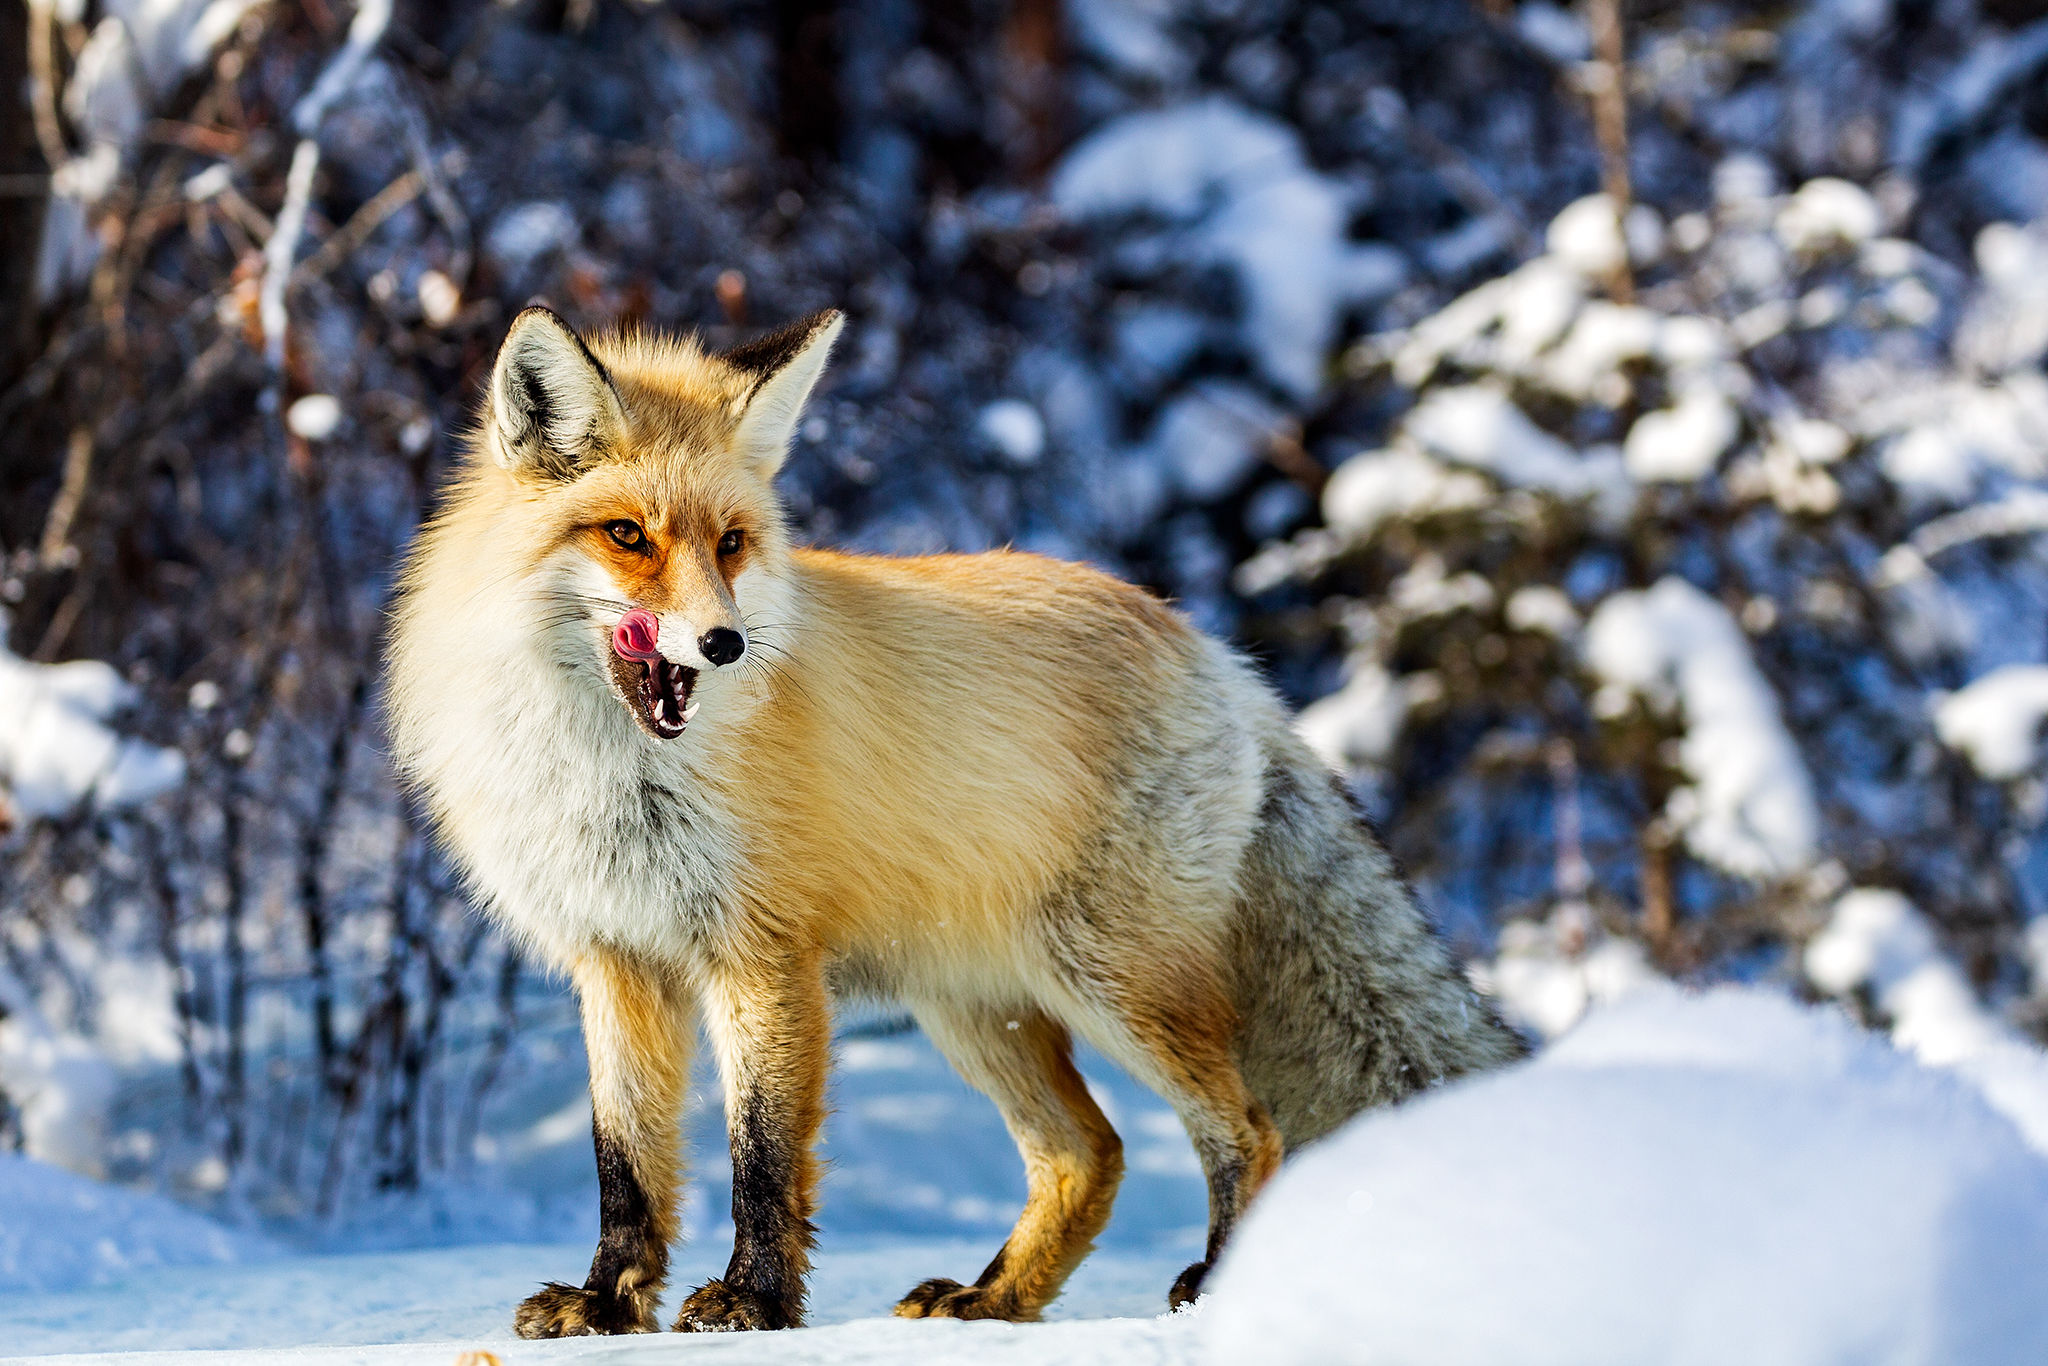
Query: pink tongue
column 635, row 635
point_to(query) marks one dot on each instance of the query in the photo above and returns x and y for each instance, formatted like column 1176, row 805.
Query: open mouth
column 657, row 690
column 664, row 695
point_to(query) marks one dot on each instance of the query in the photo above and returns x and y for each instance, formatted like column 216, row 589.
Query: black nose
column 721, row 646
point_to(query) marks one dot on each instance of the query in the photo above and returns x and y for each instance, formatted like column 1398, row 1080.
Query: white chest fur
column 573, row 825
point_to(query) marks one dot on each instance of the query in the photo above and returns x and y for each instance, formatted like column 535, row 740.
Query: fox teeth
column 690, row 711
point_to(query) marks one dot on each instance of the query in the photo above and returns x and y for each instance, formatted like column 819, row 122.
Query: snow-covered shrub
column 1709, row 566
column 1721, row 1178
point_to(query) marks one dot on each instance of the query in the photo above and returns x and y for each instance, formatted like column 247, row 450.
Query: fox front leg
column 636, row 1033
column 769, row 1024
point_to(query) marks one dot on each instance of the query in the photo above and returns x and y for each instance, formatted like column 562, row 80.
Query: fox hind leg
column 1073, row 1160
column 1174, row 1029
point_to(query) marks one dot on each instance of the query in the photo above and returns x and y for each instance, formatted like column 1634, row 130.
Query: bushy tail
column 1348, row 997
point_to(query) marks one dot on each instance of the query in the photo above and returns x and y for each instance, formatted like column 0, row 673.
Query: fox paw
column 940, row 1298
column 716, row 1307
column 570, row 1311
column 1187, row 1286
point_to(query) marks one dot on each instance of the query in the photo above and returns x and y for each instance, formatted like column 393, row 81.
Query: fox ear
column 553, row 407
column 785, row 366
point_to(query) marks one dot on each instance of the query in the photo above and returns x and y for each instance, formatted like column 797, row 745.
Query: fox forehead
column 677, row 396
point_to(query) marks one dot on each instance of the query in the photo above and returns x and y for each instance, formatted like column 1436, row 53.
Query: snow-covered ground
column 1717, row 1177
column 921, row 1181
column 427, row 1305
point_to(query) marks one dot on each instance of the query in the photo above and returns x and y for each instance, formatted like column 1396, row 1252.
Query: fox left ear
column 786, row 364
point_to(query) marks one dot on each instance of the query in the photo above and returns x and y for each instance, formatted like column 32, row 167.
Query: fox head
column 643, row 465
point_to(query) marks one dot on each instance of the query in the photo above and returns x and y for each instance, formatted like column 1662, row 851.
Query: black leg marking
column 763, row 1285
column 627, row 1272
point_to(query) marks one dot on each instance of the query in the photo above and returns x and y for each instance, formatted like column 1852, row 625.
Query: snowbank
column 59, row 1231
column 1686, row 1179
column 1750, row 807
column 1877, row 939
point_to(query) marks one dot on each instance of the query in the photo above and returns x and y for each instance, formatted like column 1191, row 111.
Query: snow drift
column 1683, row 1179
column 60, row 1231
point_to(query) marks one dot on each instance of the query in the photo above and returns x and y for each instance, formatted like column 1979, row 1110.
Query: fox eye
column 731, row 541
column 628, row 535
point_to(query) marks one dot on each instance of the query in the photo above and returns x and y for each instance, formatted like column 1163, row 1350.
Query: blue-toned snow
column 1680, row 1179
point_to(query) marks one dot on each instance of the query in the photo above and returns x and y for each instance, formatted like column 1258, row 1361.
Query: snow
column 1400, row 484
column 1535, row 309
column 61, row 1231
column 173, row 37
column 1543, row 610
column 526, row 232
column 1877, row 939
column 1241, row 181
column 1749, row 808
column 1827, row 213
column 1427, row 589
column 1555, row 32
column 137, row 54
column 1361, row 722
column 1594, row 240
column 60, row 1086
column 1996, row 720
column 1586, row 365
column 1950, row 435
column 2006, row 327
column 1172, row 162
column 1212, row 437
column 56, row 752
column 1684, row 1179
column 1683, row 442
column 1013, row 427
column 921, row 1179
column 1549, row 973
column 1782, row 1185
column 314, row 417
column 1479, row 426
column 270, row 1309
column 1130, row 35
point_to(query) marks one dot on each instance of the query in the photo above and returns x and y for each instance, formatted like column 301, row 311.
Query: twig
column 42, row 75
column 364, row 33
column 1607, row 85
column 446, row 206
column 70, row 494
column 282, row 246
column 61, row 621
column 363, row 222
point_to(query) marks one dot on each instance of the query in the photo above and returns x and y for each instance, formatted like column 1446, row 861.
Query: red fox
column 716, row 777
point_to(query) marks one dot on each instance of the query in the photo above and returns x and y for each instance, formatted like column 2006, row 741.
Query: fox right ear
column 553, row 408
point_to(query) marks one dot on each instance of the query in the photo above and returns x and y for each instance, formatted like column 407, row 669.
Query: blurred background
column 1622, row 426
